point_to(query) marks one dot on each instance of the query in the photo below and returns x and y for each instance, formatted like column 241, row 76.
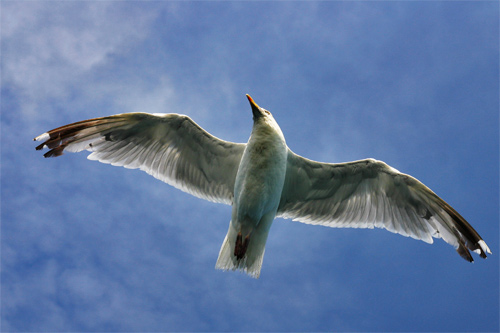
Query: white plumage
column 264, row 179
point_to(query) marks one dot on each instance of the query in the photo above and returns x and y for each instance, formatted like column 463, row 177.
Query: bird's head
column 258, row 112
column 262, row 118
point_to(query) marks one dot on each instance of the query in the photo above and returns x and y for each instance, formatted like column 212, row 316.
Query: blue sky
column 90, row 247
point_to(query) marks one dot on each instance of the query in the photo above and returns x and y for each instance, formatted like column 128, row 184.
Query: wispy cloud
column 50, row 50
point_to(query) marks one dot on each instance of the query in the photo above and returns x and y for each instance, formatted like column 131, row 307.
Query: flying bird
column 264, row 179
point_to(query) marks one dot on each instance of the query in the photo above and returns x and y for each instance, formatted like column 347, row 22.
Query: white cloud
column 48, row 47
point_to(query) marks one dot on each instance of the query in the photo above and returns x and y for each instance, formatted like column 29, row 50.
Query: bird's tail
column 251, row 263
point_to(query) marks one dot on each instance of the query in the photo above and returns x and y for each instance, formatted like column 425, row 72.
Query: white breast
column 261, row 174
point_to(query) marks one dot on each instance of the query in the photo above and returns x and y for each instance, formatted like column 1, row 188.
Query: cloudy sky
column 90, row 247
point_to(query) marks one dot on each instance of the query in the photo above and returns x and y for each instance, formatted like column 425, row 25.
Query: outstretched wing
column 369, row 193
column 170, row 147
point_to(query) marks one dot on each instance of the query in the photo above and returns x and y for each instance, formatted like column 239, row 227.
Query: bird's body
column 257, row 194
column 264, row 179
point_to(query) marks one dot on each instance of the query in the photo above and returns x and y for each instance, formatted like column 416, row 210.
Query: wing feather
column 368, row 194
column 170, row 147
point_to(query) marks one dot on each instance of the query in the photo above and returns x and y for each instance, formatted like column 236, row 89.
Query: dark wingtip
column 464, row 253
column 469, row 239
column 482, row 248
column 58, row 151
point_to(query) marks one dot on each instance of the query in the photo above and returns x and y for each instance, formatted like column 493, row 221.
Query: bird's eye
column 267, row 112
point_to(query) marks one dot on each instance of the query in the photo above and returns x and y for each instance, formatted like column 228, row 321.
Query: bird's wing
column 369, row 193
column 170, row 147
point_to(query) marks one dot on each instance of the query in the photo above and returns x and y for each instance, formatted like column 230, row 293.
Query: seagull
column 264, row 179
